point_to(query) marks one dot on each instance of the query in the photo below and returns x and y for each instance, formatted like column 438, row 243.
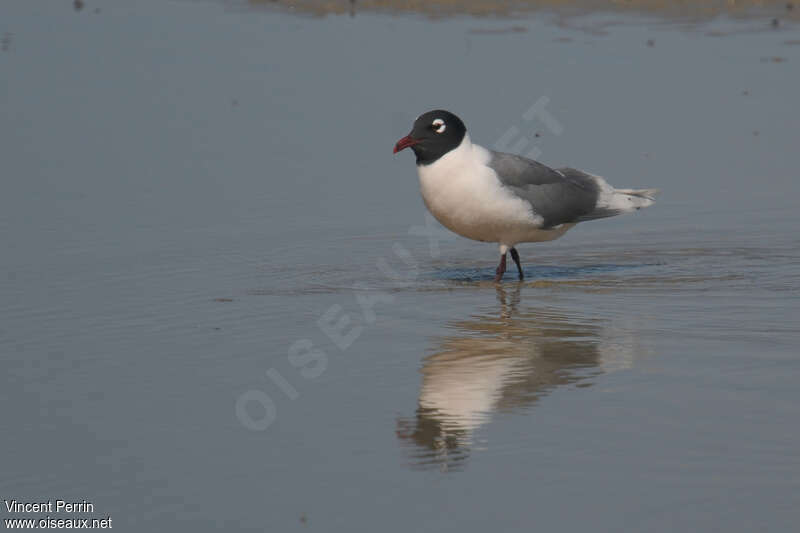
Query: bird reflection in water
column 502, row 362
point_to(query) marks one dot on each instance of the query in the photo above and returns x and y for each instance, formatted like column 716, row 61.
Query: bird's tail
column 614, row 202
column 638, row 198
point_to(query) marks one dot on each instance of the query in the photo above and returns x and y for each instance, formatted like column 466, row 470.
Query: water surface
column 224, row 306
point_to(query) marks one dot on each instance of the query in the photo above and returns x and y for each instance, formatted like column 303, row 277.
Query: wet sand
column 665, row 9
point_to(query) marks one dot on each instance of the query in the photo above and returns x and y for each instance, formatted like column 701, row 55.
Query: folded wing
column 557, row 195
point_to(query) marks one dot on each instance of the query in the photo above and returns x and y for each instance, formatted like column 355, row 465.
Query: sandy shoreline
column 700, row 10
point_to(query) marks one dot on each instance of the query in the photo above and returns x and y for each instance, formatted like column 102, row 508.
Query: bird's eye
column 438, row 125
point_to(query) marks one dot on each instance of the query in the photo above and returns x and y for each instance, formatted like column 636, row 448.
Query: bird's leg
column 515, row 257
column 501, row 268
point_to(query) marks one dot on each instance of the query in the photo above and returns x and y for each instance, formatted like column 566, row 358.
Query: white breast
column 466, row 197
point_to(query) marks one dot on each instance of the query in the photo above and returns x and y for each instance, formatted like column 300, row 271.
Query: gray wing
column 558, row 196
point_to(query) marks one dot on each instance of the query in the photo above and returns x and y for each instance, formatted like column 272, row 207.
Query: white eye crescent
column 438, row 125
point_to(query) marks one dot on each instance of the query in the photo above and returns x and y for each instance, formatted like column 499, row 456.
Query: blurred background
column 223, row 305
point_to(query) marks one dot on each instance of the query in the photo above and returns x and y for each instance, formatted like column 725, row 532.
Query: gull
column 507, row 199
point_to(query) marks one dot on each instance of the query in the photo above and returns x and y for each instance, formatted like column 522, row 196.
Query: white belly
column 465, row 196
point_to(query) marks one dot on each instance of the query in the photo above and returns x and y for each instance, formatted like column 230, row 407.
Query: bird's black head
column 434, row 134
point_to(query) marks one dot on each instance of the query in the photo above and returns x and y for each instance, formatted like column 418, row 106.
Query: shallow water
column 224, row 305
